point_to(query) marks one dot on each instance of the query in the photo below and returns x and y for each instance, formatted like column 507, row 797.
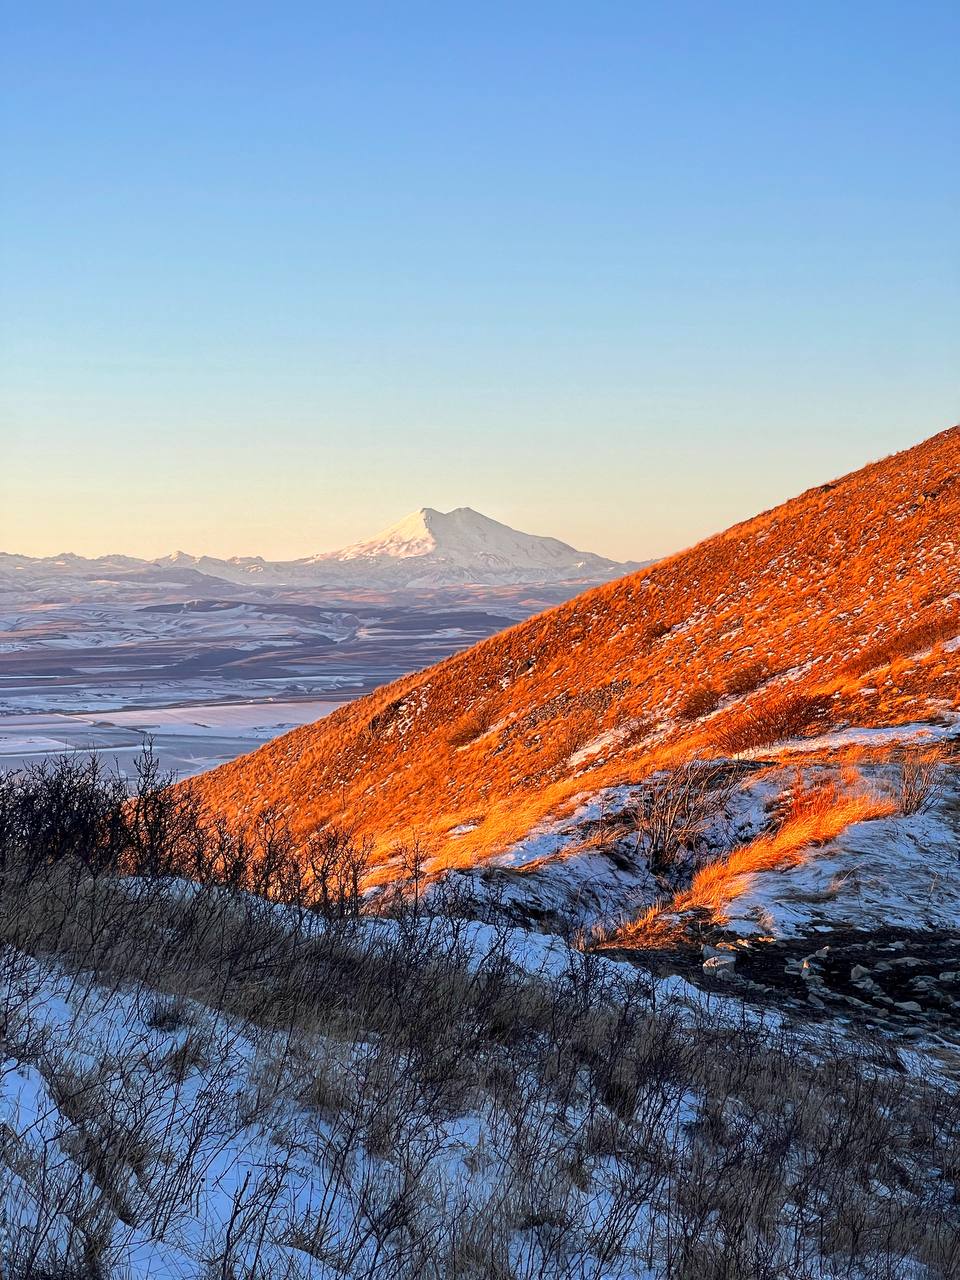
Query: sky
column 273, row 275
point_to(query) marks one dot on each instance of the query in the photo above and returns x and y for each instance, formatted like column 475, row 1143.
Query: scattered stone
column 719, row 965
column 858, row 972
column 861, row 1004
column 908, row 1006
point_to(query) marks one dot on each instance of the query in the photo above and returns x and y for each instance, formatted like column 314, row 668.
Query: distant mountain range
column 426, row 549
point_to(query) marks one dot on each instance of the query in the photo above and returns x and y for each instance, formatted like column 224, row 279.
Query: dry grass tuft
column 470, row 726
column 772, row 718
column 699, row 702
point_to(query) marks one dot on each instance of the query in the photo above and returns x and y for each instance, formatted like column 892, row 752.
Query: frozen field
column 210, row 679
column 187, row 740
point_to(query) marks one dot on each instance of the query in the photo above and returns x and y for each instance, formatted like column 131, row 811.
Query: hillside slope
column 839, row 608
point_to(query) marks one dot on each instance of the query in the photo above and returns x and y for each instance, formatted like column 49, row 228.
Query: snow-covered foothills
column 241, row 1092
column 483, row 1073
column 187, row 739
column 209, row 679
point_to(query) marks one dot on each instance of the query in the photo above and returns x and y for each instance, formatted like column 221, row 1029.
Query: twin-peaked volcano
column 430, row 546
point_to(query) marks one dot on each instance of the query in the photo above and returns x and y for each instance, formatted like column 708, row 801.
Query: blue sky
column 274, row 275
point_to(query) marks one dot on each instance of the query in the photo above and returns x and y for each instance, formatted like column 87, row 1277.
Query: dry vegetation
column 835, row 609
column 605, row 1132
column 811, row 815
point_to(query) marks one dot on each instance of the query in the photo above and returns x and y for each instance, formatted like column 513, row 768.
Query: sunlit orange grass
column 501, row 826
column 816, row 814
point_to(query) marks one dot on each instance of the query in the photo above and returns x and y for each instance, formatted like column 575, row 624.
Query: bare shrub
column 776, row 717
column 699, row 702
column 920, row 781
column 338, row 863
column 673, row 810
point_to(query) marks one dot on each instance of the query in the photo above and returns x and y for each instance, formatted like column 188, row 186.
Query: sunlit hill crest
column 838, row 609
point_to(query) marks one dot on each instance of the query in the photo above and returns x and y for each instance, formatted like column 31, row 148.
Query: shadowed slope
column 838, row 608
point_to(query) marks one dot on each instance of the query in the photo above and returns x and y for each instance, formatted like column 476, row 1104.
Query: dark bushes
column 72, row 811
column 621, row 1132
column 771, row 717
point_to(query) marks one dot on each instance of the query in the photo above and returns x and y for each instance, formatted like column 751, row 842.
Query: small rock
column 908, row 1006
column 861, row 1004
column 719, row 965
column 857, row 972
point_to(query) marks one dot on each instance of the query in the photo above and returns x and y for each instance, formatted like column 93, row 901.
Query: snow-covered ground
column 220, row 1142
column 148, row 1136
column 898, row 872
column 901, row 872
column 187, row 740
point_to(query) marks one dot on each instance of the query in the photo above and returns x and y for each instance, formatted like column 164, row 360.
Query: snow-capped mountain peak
column 414, row 535
column 430, row 546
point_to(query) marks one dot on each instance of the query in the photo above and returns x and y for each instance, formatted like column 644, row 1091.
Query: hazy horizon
column 371, row 533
